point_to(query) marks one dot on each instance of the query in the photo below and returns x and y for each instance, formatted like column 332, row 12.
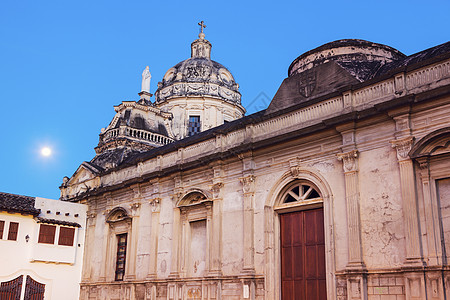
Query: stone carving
column 403, row 146
column 146, row 77
column 349, row 160
column 248, row 183
column 307, row 83
column 295, row 171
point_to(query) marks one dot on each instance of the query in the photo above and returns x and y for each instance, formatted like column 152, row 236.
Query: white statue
column 146, row 76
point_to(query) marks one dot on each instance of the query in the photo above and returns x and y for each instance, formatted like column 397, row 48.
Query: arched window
column 298, row 193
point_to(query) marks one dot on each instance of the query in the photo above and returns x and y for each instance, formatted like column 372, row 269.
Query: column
column 156, row 208
column 408, row 191
column 355, row 259
column 248, row 188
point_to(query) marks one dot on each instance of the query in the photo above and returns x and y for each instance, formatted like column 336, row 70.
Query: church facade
column 340, row 189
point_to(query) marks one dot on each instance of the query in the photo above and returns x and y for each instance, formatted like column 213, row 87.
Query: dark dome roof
column 351, row 54
column 331, row 67
column 199, row 76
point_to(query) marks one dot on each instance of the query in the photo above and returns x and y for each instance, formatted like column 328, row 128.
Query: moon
column 46, row 151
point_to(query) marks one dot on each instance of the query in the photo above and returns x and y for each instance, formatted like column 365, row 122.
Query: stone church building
column 340, row 189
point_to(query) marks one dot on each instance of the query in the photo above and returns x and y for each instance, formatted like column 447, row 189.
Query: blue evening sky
column 64, row 64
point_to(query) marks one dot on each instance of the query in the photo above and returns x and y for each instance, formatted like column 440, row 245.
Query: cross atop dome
column 202, row 25
column 201, row 47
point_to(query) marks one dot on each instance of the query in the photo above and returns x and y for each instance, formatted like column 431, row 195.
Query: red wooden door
column 303, row 255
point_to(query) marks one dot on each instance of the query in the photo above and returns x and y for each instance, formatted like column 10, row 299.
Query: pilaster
column 248, row 188
column 215, row 250
column 408, row 191
column 155, row 205
column 130, row 265
column 350, row 165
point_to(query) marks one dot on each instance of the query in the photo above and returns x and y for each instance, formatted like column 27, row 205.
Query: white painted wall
column 58, row 267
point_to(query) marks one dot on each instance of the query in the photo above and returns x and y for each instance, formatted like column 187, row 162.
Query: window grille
column 121, row 255
column 11, row 290
column 66, row 236
column 194, row 125
column 300, row 192
column 47, row 234
column 13, row 229
column 34, row 290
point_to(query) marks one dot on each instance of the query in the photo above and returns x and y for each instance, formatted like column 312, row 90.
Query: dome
column 199, row 76
column 360, row 56
column 330, row 68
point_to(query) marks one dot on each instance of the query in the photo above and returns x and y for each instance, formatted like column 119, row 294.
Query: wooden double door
column 303, row 255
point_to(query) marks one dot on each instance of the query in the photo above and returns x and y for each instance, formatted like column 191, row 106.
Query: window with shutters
column 194, row 125
column 66, row 236
column 2, row 226
column 121, row 255
column 47, row 234
column 13, row 230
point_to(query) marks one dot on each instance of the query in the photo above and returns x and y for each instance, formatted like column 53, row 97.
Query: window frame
column 2, row 228
column 191, row 128
column 42, row 238
column 62, row 236
column 121, row 253
column 12, row 235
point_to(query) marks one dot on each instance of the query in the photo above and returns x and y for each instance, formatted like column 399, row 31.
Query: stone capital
column 403, row 146
column 155, row 205
column 134, row 207
column 215, row 189
column 248, row 183
column 349, row 160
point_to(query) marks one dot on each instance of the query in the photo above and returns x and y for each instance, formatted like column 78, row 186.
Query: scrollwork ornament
column 349, row 160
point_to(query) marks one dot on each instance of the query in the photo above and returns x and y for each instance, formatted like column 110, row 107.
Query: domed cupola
column 199, row 87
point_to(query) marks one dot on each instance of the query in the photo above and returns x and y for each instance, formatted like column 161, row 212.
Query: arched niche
column 199, row 255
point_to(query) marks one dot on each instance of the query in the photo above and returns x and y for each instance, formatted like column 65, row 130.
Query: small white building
column 41, row 246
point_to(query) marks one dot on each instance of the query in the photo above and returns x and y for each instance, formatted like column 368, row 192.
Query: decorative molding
column 349, row 160
column 403, row 146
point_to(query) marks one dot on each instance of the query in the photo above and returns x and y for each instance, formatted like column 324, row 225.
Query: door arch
column 300, row 194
